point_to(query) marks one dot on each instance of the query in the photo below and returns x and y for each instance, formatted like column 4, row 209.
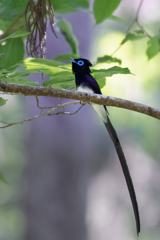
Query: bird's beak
column 72, row 60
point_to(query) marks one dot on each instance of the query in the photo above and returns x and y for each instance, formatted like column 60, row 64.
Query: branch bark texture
column 85, row 97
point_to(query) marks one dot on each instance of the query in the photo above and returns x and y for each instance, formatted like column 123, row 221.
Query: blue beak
column 72, row 60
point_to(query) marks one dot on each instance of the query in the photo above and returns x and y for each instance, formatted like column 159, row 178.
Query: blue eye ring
column 80, row 63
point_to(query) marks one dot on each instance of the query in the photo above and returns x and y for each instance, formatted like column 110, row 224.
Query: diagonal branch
column 85, row 97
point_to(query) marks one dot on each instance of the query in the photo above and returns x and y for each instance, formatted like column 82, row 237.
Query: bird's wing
column 91, row 83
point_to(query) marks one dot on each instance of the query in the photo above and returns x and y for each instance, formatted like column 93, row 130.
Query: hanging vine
column 36, row 16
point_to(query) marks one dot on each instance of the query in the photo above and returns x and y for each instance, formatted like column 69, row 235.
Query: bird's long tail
column 125, row 169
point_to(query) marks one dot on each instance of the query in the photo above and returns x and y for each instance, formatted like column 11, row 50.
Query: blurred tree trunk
column 57, row 170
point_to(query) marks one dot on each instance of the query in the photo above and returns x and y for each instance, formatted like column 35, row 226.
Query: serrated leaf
column 100, row 75
column 13, row 51
column 20, row 33
column 108, row 59
column 65, row 57
column 20, row 81
column 2, row 101
column 66, row 29
column 138, row 34
column 15, row 78
column 60, row 78
column 63, row 6
column 153, row 47
column 103, row 9
column 61, row 74
column 48, row 67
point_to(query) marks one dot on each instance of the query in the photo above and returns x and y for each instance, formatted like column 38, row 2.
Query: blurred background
column 64, row 177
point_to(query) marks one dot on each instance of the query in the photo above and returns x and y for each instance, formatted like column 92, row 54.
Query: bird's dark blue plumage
column 86, row 82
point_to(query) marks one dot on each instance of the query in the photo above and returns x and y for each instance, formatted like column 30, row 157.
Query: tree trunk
column 57, row 170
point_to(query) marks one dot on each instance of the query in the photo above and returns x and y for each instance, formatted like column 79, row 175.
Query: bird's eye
column 80, row 63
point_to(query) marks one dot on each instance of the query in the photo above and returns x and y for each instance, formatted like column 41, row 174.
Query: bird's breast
column 99, row 108
column 84, row 89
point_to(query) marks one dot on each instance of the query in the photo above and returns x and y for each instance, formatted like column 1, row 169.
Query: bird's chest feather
column 98, row 108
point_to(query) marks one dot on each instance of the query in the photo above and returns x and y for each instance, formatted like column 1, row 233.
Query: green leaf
column 63, row 79
column 48, row 67
column 5, row 23
column 153, row 47
column 20, row 81
column 2, row 179
column 115, row 18
column 65, row 57
column 100, row 75
column 67, row 6
column 66, row 29
column 15, row 78
column 10, row 8
column 20, row 33
column 61, row 74
column 13, row 52
column 138, row 34
column 2, row 102
column 108, row 59
column 103, row 9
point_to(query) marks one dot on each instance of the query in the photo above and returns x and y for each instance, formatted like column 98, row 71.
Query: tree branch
column 85, row 97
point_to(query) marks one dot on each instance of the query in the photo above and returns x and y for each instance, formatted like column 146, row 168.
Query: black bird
column 85, row 82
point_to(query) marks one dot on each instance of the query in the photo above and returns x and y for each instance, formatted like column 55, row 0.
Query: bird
column 85, row 82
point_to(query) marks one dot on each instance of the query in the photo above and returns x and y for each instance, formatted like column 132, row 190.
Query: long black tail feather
column 125, row 169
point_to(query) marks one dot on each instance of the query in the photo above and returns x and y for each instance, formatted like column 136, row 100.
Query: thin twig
column 135, row 20
column 42, row 108
column 142, row 28
column 49, row 113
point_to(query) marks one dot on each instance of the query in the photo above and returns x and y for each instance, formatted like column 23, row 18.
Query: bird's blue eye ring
column 80, row 63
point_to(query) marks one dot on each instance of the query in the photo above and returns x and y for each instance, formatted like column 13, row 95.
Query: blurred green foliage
column 103, row 9
column 2, row 101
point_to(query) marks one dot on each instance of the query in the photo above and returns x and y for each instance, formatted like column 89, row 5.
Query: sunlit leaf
column 104, row 9
column 100, row 75
column 66, row 29
column 2, row 101
column 153, row 47
column 48, row 67
column 61, row 75
column 108, row 59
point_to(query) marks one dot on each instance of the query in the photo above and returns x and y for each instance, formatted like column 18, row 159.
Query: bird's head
column 80, row 65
